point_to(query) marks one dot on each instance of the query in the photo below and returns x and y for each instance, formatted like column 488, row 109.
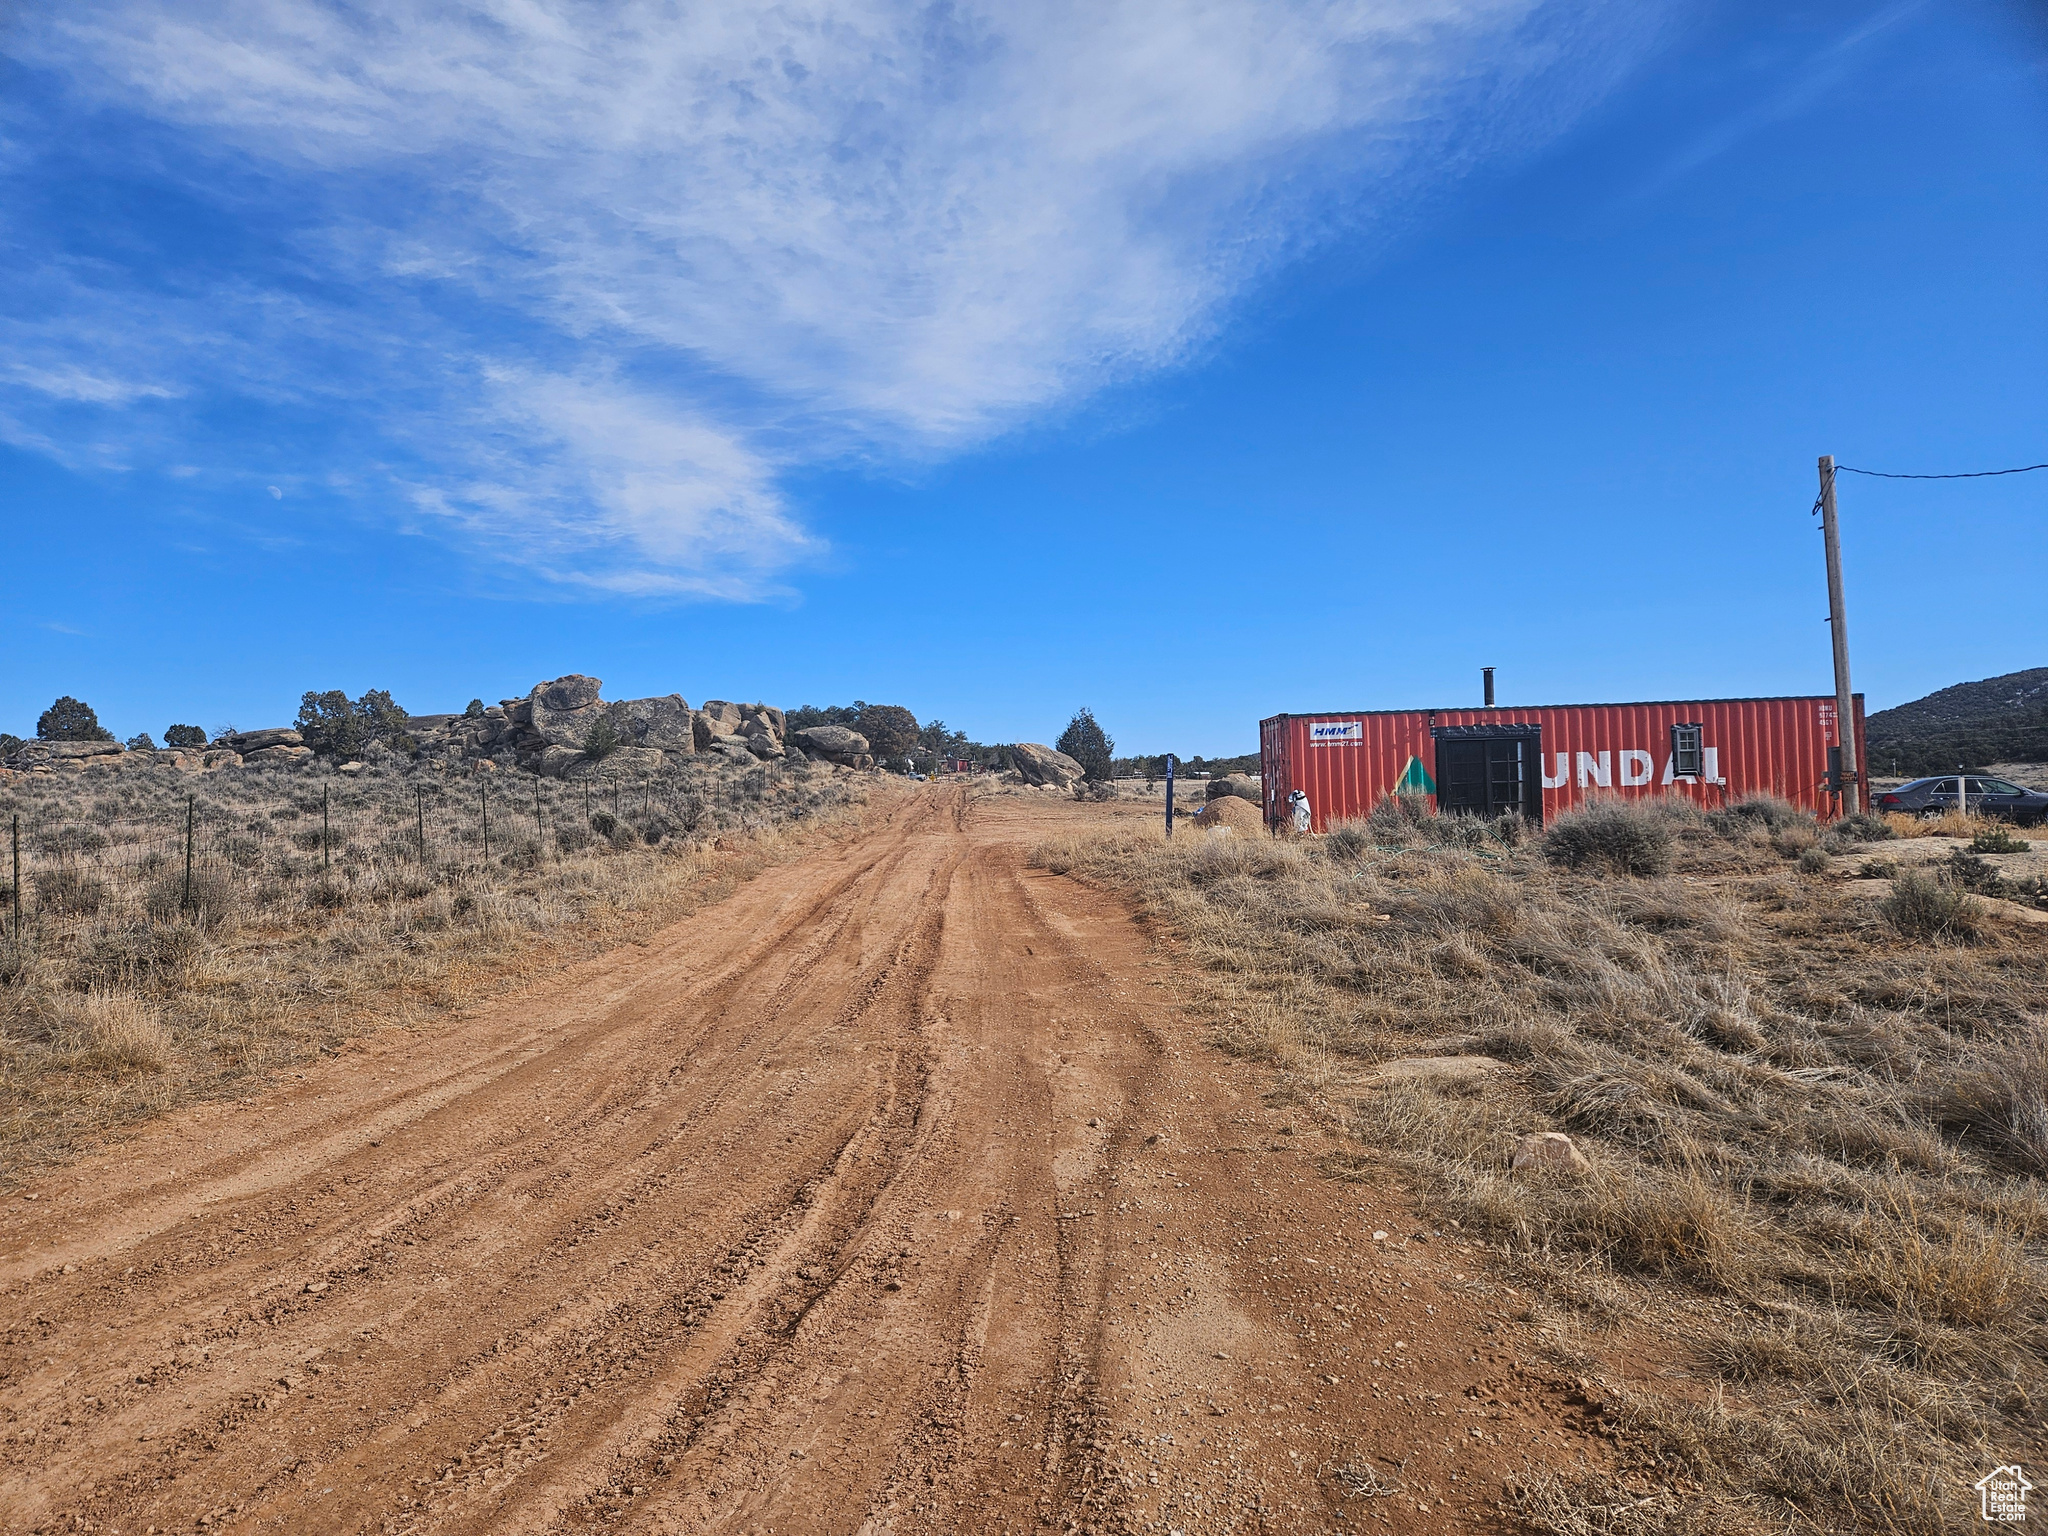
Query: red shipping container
column 1549, row 758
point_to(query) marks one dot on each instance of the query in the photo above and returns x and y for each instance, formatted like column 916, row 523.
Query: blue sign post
column 1169, row 794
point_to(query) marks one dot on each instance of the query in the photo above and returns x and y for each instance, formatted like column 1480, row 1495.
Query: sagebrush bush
column 1623, row 837
column 70, row 891
column 1863, row 827
column 329, row 893
column 1396, row 821
column 1923, row 906
column 1771, row 813
column 1794, row 838
column 213, row 896
column 1999, row 840
column 1346, row 841
column 1969, row 871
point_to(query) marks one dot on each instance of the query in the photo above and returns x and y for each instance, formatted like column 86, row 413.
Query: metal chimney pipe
column 1487, row 673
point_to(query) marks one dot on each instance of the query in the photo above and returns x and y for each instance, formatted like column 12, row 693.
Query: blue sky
column 1194, row 361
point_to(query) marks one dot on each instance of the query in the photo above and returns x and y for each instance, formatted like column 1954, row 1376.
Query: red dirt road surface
column 896, row 1193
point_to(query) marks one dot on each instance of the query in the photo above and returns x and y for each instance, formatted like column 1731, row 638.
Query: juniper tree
column 71, row 719
column 1088, row 744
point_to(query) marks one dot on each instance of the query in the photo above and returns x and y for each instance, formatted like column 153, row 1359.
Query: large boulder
column 1042, row 765
column 59, row 750
column 283, row 755
column 662, row 723
column 830, row 740
column 625, row 763
column 246, row 742
column 575, row 691
column 1548, row 1152
column 563, row 711
column 761, row 729
column 1241, row 785
column 555, row 762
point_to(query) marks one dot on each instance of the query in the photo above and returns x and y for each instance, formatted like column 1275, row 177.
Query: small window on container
column 1688, row 752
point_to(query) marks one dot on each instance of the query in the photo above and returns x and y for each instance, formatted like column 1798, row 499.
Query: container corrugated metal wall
column 1345, row 762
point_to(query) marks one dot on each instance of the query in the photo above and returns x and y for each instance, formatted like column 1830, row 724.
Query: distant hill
column 2000, row 720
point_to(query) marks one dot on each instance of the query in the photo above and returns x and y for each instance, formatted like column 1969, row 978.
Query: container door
column 1489, row 770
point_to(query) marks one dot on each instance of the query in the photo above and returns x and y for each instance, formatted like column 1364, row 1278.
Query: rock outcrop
column 1241, row 785
column 1042, row 765
column 65, row 756
column 833, row 744
column 246, row 742
column 282, row 755
column 555, row 762
column 757, row 729
column 563, row 712
column 664, row 724
column 544, row 732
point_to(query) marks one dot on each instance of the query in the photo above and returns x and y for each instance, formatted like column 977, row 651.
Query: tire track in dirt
column 888, row 1195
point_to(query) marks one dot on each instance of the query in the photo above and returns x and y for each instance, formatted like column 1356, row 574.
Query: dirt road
column 895, row 1193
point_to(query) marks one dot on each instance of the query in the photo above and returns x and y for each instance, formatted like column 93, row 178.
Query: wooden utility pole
column 1838, row 624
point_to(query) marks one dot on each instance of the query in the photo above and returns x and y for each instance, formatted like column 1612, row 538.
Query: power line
column 1977, row 474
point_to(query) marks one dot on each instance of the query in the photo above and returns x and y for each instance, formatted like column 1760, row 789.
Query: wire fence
column 160, row 844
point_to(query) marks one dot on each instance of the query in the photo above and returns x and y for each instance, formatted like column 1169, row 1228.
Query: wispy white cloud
column 1812, row 81
column 634, row 260
column 72, row 383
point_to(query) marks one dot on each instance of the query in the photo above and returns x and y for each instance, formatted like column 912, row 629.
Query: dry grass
column 134, row 988
column 1804, row 1117
column 1948, row 824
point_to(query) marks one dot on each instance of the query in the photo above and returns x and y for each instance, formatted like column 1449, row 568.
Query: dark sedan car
column 1984, row 796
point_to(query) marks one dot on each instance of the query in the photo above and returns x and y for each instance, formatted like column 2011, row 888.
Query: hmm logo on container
column 1329, row 733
